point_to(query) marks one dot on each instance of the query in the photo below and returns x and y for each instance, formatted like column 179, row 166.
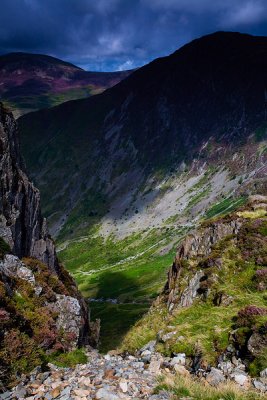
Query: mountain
column 125, row 174
column 33, row 81
column 41, row 309
column 212, row 312
column 205, row 336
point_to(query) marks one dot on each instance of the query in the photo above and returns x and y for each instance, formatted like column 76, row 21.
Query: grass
column 205, row 326
column 70, row 359
column 145, row 329
column 253, row 214
column 116, row 319
column 225, row 206
column 131, row 270
column 127, row 269
column 26, row 103
column 187, row 387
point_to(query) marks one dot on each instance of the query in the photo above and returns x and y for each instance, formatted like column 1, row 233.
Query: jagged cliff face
column 21, row 224
column 196, row 246
column 41, row 309
column 219, row 274
column 199, row 246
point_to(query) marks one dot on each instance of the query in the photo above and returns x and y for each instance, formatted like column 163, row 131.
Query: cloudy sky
column 120, row 34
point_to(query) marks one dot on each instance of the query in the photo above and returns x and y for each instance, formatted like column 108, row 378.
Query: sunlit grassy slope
column 205, row 327
column 132, row 271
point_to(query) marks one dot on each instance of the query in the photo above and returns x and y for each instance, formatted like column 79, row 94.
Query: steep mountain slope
column 41, row 309
column 125, row 174
column 33, row 81
column 213, row 307
column 211, row 90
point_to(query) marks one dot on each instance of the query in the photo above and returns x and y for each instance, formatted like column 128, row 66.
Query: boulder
column 260, row 385
column 215, row 377
column 69, row 315
column 257, row 343
column 149, row 346
column 241, row 379
column 181, row 370
column 105, row 394
column 178, row 359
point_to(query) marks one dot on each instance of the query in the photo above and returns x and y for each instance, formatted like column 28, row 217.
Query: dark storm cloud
column 120, row 34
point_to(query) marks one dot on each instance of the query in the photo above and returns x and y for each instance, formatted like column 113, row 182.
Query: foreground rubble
column 114, row 377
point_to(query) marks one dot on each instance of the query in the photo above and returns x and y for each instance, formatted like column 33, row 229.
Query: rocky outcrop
column 191, row 291
column 216, row 267
column 21, row 222
column 55, row 297
column 41, row 309
column 69, row 315
column 195, row 246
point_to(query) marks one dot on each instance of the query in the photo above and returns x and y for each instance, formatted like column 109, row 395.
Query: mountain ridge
column 33, row 81
column 157, row 130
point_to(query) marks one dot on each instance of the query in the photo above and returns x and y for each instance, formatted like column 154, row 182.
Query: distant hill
column 29, row 82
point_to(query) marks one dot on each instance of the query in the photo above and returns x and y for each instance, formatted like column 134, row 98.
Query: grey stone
column 179, row 358
column 197, row 244
column 69, row 314
column 124, row 386
column 215, row 376
column 5, row 396
column 20, row 393
column 190, row 293
column 260, row 385
column 22, row 225
column 146, row 356
column 103, row 394
column 240, row 379
column 165, row 337
column 154, row 366
column 65, row 391
column 149, row 346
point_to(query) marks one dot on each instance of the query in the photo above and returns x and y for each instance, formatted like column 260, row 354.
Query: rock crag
column 41, row 309
column 22, row 225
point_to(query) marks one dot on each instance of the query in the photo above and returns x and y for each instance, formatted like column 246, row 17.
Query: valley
column 122, row 182
column 154, row 188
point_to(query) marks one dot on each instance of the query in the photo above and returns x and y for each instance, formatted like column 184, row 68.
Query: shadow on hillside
column 117, row 318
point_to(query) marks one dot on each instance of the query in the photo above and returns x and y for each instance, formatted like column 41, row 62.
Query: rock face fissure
column 21, row 223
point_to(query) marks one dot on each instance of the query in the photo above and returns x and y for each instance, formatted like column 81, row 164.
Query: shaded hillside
column 33, row 81
column 199, row 102
column 41, row 310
